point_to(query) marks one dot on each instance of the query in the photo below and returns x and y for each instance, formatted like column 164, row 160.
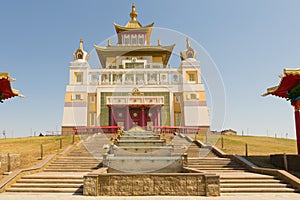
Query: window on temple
column 177, row 119
column 133, row 40
column 94, row 78
column 177, row 99
column 92, row 119
column 141, row 41
column 193, row 96
column 141, row 38
column 127, row 40
column 140, row 79
column 78, row 77
column 92, row 99
column 192, row 77
column 77, row 96
column 117, row 78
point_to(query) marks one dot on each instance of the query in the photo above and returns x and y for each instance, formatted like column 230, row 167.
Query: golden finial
column 133, row 13
column 108, row 43
column 80, row 44
column 158, row 42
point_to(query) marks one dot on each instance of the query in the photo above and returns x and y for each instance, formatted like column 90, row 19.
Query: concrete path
column 266, row 196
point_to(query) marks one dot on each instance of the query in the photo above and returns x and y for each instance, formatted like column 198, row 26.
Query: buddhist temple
column 135, row 85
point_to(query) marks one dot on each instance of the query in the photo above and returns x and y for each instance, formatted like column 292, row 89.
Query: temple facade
column 135, row 85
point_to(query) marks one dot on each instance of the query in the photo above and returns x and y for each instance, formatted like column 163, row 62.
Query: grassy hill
column 29, row 148
column 256, row 145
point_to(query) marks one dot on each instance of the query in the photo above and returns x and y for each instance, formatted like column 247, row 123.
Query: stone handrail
column 7, row 180
column 282, row 174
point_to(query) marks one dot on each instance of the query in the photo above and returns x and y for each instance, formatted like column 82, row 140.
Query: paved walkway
column 28, row 196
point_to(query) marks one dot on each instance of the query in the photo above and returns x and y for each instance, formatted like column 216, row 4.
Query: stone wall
column 171, row 184
column 14, row 162
column 293, row 161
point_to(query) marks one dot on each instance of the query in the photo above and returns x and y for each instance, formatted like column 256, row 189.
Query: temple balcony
column 136, row 66
column 150, row 76
column 135, row 100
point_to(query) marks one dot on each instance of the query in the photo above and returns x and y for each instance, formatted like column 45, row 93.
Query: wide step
column 241, row 181
column 42, row 181
column 257, row 190
column 47, row 190
column 67, row 170
column 46, row 185
column 257, row 185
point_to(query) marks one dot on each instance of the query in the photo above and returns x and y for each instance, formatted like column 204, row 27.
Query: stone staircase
column 234, row 178
column 63, row 175
column 141, row 151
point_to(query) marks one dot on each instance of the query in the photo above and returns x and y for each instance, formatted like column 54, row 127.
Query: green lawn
column 29, row 148
column 256, row 145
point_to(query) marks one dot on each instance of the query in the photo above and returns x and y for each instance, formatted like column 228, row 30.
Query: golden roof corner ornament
column 80, row 54
column 133, row 13
column 189, row 52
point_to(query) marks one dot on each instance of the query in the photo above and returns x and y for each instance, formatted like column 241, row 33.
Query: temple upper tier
column 134, row 33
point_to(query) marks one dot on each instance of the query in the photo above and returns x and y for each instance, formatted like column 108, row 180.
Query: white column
column 111, row 78
column 98, row 109
column 157, row 78
column 171, row 108
column 123, row 79
column 100, row 79
column 134, row 79
column 145, row 79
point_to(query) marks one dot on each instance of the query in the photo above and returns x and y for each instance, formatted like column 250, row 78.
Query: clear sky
column 250, row 42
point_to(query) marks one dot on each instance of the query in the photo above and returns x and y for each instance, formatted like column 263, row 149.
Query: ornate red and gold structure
column 289, row 88
column 6, row 91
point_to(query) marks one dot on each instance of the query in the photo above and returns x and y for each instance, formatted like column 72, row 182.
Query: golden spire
column 133, row 13
column 81, row 44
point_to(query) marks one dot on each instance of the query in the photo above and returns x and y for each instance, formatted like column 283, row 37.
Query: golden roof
column 164, row 51
column 134, row 25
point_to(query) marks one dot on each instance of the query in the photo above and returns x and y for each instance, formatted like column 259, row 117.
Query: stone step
column 76, row 161
column 197, row 165
column 71, row 165
column 257, row 190
column 210, row 161
column 211, row 168
column 218, row 172
column 254, row 185
column 242, row 181
column 67, row 170
column 47, row 185
column 92, row 159
column 70, row 168
column 77, row 157
column 43, row 181
column 243, row 176
column 87, row 155
column 47, row 190
column 53, row 177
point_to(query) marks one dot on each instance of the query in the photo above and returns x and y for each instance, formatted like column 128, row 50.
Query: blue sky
column 250, row 42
